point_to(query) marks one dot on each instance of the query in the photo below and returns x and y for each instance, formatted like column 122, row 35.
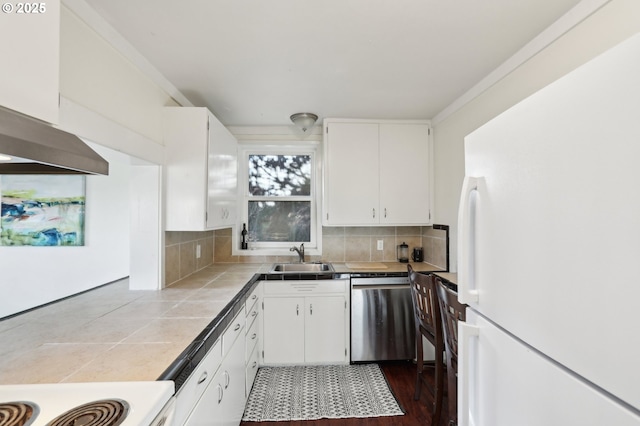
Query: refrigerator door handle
column 465, row 332
column 467, row 291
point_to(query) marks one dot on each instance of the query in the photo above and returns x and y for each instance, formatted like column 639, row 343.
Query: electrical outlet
column 198, row 251
column 380, row 245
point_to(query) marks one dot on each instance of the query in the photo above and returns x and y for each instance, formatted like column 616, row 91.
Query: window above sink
column 278, row 199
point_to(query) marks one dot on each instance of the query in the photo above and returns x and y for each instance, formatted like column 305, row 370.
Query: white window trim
column 288, row 147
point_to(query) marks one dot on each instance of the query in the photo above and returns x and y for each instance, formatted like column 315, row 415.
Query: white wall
column 613, row 23
column 32, row 276
column 146, row 234
column 93, row 74
column 108, row 100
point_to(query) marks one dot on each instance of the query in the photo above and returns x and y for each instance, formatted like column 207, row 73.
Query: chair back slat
column 428, row 324
column 425, row 302
column 451, row 311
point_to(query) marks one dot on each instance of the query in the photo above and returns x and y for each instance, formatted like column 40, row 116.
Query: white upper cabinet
column 222, row 176
column 30, row 52
column 201, row 171
column 377, row 173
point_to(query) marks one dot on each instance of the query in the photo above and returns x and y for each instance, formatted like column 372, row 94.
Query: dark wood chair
column 451, row 312
column 428, row 324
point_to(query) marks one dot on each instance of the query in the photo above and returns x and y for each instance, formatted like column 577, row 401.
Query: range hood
column 39, row 148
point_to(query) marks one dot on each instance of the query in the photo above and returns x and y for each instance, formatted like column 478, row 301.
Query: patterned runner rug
column 316, row 392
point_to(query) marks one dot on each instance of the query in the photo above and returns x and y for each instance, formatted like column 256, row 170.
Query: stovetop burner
column 105, row 412
column 134, row 403
column 17, row 413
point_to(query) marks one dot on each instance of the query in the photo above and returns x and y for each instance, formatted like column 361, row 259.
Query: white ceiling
column 256, row 62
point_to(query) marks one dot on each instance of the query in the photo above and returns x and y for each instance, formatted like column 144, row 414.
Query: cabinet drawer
column 251, row 317
column 232, row 332
column 196, row 384
column 305, row 287
column 251, row 302
column 251, row 370
column 251, row 339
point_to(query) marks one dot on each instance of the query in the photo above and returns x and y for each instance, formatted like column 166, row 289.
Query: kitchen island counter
column 115, row 334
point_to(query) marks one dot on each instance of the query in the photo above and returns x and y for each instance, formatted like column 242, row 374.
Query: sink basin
column 302, row 267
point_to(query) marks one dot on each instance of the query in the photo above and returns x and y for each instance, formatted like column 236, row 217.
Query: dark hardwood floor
column 401, row 378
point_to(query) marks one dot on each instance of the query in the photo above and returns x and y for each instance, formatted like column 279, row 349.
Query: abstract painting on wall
column 42, row 210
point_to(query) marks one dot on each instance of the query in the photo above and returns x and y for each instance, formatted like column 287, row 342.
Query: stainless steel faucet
column 300, row 252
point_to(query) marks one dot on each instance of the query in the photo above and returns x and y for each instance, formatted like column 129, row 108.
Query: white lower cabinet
column 305, row 322
column 232, row 381
column 251, row 370
column 193, row 389
column 283, row 330
column 223, row 401
column 252, row 337
column 325, row 333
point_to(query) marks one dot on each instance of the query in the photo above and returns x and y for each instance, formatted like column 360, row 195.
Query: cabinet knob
column 227, row 379
column 237, row 327
column 311, row 308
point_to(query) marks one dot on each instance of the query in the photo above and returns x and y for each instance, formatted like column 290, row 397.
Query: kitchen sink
column 301, row 267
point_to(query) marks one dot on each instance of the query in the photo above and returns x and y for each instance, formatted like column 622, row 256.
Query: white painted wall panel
column 613, row 23
column 95, row 75
column 29, row 50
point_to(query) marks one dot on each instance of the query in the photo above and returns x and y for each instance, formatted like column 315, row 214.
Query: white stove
column 88, row 404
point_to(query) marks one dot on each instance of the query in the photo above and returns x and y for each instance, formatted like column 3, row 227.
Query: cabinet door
column 199, row 381
column 251, row 370
column 186, row 138
column 201, row 170
column 233, row 385
column 208, row 411
column 222, row 176
column 283, row 335
column 404, row 174
column 351, row 174
column 325, row 332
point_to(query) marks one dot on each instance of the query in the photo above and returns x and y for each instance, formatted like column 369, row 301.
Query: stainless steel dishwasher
column 382, row 325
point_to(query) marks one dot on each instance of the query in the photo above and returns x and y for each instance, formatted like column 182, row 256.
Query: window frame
column 312, row 247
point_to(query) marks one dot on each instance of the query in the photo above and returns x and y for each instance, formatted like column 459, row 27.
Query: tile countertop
column 382, row 267
column 452, row 277
column 115, row 334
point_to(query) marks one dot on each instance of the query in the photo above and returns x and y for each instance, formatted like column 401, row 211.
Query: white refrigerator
column 549, row 254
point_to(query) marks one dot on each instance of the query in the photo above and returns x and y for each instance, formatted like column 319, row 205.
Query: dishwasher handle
column 386, row 281
column 380, row 287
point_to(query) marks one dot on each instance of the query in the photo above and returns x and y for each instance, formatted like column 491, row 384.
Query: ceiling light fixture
column 304, row 120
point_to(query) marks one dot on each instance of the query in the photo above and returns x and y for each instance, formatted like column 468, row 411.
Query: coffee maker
column 418, row 254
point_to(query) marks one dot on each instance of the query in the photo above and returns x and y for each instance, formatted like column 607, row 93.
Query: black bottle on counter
column 244, row 236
